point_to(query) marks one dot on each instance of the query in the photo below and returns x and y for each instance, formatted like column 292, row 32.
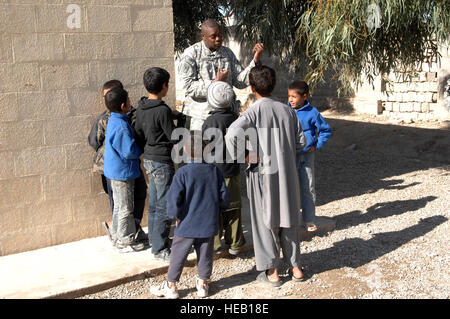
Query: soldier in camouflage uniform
column 96, row 139
column 208, row 61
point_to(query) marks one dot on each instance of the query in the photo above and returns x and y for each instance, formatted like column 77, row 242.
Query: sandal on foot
column 291, row 273
column 262, row 277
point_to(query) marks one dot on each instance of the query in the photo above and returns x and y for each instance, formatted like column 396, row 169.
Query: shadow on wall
column 360, row 156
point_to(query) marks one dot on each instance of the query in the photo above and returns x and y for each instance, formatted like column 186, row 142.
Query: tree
column 188, row 16
column 352, row 37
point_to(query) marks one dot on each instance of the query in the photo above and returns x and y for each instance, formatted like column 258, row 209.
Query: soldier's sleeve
column 192, row 84
column 239, row 74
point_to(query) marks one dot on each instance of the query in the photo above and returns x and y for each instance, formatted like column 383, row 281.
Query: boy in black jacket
column 153, row 128
column 220, row 98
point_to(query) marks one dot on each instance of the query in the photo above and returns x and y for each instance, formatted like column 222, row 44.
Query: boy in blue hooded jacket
column 122, row 168
column 317, row 132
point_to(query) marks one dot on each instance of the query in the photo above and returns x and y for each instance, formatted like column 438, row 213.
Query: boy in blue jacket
column 122, row 168
column 195, row 199
column 317, row 132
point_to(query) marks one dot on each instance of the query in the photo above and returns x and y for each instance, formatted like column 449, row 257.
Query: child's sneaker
column 164, row 290
column 234, row 252
column 311, row 227
column 163, row 255
column 202, row 288
column 128, row 248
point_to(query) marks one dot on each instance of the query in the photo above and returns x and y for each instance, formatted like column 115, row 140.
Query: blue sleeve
column 175, row 197
column 323, row 130
column 125, row 145
column 225, row 196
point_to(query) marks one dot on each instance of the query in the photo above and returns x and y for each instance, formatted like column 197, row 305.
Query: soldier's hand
column 222, row 75
column 258, row 50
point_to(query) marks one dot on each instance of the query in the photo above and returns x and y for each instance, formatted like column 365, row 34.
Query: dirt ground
column 387, row 185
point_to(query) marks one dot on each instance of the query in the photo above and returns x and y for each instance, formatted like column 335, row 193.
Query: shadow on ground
column 356, row 252
column 381, row 210
column 360, row 157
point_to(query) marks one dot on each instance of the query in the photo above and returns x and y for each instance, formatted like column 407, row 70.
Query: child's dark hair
column 115, row 98
column 154, row 78
column 299, row 86
column 195, row 145
column 112, row 84
column 263, row 79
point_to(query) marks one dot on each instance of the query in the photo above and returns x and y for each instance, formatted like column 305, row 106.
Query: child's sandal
column 291, row 273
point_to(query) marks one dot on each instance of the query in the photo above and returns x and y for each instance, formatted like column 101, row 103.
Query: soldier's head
column 156, row 81
column 262, row 80
column 110, row 85
column 117, row 100
column 211, row 34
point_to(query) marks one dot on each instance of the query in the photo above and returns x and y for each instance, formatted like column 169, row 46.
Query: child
column 96, row 140
column 272, row 189
column 311, row 122
column 122, row 168
column 195, row 198
column 220, row 98
column 153, row 128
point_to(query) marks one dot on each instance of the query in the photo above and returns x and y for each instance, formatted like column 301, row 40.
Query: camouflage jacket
column 97, row 135
column 198, row 67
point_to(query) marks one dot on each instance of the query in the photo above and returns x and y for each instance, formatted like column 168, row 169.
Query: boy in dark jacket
column 220, row 98
column 122, row 168
column 153, row 127
column 195, row 199
column 96, row 139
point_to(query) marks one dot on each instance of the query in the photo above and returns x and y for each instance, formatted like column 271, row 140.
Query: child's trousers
column 123, row 226
column 140, row 195
column 305, row 169
column 204, row 248
column 230, row 221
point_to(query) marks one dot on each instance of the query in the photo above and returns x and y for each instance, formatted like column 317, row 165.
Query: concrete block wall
column 418, row 98
column 50, row 81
